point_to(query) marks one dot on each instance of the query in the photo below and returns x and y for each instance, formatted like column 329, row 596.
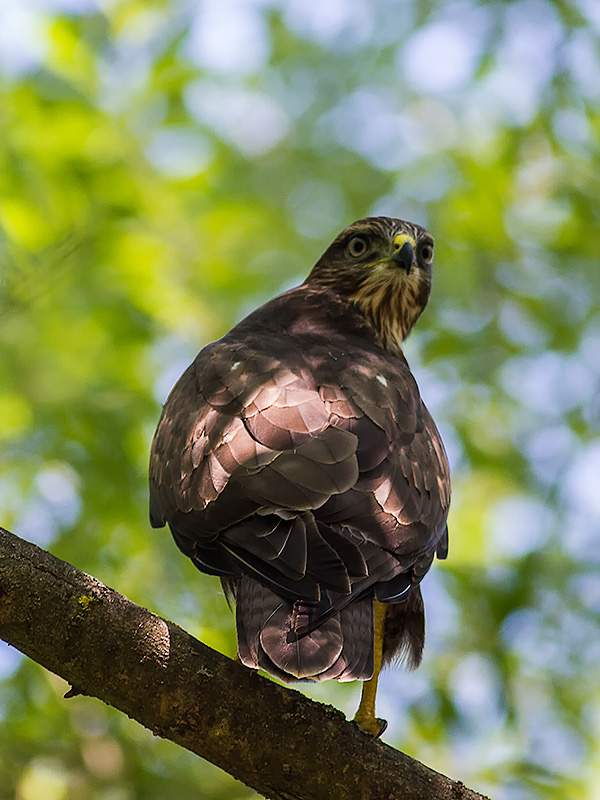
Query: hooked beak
column 404, row 252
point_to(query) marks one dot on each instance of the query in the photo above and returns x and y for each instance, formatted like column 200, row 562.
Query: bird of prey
column 296, row 460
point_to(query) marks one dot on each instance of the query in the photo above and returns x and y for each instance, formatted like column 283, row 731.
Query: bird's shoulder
column 305, row 317
column 313, row 331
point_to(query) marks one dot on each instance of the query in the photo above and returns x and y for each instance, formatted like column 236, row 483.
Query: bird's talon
column 375, row 726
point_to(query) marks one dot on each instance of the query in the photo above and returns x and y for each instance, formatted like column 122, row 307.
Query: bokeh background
column 165, row 167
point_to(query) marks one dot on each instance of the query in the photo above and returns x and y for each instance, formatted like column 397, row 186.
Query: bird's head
column 383, row 266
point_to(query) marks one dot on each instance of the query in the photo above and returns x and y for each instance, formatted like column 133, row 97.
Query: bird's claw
column 375, row 726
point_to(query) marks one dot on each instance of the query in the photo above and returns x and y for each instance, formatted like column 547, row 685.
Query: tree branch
column 272, row 738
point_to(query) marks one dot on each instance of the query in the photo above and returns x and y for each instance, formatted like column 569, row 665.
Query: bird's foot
column 375, row 726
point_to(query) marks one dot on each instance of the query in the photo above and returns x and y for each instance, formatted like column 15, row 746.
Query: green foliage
column 164, row 168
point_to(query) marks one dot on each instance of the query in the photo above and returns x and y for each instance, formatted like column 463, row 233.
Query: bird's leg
column 365, row 716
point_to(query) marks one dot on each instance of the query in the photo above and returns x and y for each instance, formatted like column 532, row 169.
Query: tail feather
column 304, row 657
column 356, row 661
column 267, row 626
column 357, row 624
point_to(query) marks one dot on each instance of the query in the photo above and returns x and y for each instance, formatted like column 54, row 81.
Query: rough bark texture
column 272, row 738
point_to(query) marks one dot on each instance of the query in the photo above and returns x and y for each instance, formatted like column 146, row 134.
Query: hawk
column 296, row 460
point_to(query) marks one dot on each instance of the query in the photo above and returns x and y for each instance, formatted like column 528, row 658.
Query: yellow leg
column 365, row 716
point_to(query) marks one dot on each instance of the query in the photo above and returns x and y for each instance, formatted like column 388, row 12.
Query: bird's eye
column 426, row 253
column 357, row 246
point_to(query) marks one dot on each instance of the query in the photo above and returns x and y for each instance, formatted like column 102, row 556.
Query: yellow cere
column 401, row 239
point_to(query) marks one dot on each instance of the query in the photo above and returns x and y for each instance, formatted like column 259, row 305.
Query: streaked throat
column 392, row 301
